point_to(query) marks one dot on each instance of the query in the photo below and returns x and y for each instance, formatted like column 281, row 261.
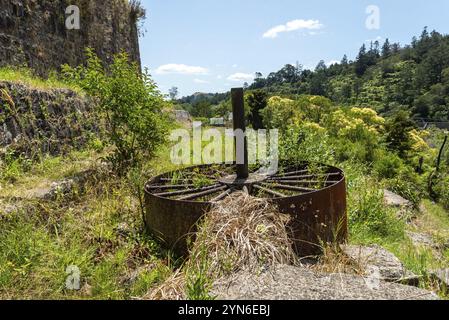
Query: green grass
column 25, row 76
column 371, row 222
column 42, row 239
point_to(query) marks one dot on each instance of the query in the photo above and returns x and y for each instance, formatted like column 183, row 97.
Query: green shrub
column 398, row 132
column 353, row 151
column 386, row 164
column 303, row 143
column 129, row 103
column 442, row 190
column 279, row 113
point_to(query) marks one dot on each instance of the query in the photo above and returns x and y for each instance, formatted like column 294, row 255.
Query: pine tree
column 386, row 49
column 362, row 62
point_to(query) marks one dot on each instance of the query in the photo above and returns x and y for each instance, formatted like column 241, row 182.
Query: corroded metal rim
column 318, row 211
column 219, row 182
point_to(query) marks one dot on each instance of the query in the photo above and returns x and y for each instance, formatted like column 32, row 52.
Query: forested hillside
column 386, row 77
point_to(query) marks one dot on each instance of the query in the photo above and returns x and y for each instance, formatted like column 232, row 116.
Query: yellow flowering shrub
column 314, row 107
column 356, row 124
column 417, row 138
column 280, row 113
column 313, row 127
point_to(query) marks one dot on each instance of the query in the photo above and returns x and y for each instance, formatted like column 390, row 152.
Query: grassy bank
column 26, row 77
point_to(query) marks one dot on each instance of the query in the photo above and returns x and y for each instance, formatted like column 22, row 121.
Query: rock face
column 422, row 239
column 394, row 200
column 375, row 259
column 182, row 116
column 296, row 283
column 48, row 120
column 442, row 276
column 33, row 32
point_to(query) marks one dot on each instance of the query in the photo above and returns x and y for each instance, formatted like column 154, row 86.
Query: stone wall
column 34, row 33
column 43, row 120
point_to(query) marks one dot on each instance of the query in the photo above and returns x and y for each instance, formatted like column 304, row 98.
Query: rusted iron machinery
column 313, row 194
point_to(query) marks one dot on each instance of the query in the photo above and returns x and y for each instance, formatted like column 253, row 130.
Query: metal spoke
column 292, row 173
column 177, row 180
column 274, row 193
column 290, row 188
column 203, row 193
column 163, row 187
column 222, row 195
column 188, row 191
column 306, row 176
column 302, row 181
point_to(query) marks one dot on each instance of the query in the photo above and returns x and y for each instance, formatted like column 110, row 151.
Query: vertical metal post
column 238, row 111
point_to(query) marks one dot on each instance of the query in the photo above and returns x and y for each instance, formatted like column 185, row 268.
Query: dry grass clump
column 239, row 233
column 334, row 260
column 172, row 289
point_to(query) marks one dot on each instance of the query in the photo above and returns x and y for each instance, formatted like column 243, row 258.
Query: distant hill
column 212, row 98
column 386, row 77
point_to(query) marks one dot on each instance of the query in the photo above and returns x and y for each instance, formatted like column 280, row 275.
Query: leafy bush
column 359, row 152
column 257, row 101
column 129, row 103
column 386, row 164
column 279, row 113
column 442, row 190
column 314, row 107
column 399, row 130
column 355, row 124
column 306, row 142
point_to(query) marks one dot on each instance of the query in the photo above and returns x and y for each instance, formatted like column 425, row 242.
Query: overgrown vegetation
column 129, row 103
column 26, row 76
column 97, row 226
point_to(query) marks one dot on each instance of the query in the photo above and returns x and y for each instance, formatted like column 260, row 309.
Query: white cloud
column 180, row 69
column 219, row 77
column 293, row 25
column 235, row 65
column 332, row 62
column 200, row 81
column 241, row 77
column 378, row 38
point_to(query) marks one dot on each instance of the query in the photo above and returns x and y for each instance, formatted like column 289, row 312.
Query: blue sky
column 213, row 45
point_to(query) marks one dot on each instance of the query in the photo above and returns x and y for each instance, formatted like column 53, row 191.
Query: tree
column 257, row 101
column 398, row 132
column 202, row 109
column 361, row 62
column 321, row 66
column 173, row 93
column 288, row 74
column 386, row 49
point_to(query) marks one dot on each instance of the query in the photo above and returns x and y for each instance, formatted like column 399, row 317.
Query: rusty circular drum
column 314, row 195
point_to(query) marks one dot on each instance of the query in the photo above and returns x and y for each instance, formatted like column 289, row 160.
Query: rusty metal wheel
column 313, row 194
